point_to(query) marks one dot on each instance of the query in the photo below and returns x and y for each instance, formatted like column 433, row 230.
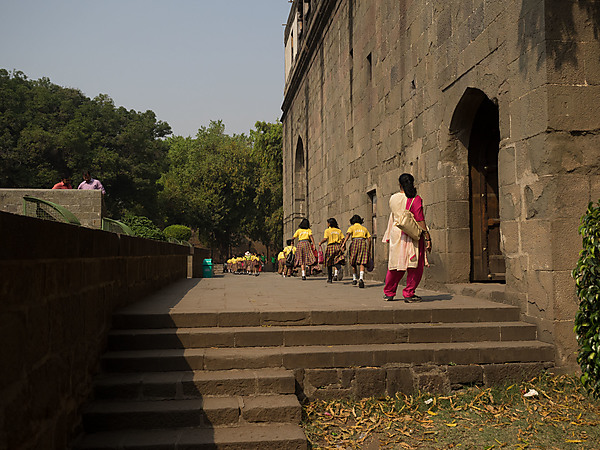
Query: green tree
column 47, row 131
column 210, row 184
column 266, row 224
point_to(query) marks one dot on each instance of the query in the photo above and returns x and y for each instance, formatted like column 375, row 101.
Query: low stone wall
column 87, row 206
column 59, row 285
column 362, row 382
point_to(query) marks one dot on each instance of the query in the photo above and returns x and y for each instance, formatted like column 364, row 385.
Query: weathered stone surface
column 494, row 374
column 369, row 382
column 361, row 123
column 87, row 206
column 59, row 287
column 472, row 374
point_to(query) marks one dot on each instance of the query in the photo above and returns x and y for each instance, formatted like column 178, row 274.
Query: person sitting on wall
column 90, row 184
column 64, row 183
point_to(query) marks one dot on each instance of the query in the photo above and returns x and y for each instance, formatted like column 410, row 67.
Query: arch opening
column 475, row 123
column 300, row 184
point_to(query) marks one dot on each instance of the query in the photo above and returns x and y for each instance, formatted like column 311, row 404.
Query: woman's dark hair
column 332, row 223
column 356, row 219
column 305, row 224
column 407, row 182
column 289, row 241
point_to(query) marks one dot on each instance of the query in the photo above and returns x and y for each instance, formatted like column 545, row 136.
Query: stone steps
column 414, row 313
column 289, row 336
column 242, row 437
column 186, row 384
column 207, row 412
column 315, row 356
column 232, row 379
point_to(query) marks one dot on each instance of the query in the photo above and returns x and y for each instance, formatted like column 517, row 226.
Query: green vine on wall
column 587, row 282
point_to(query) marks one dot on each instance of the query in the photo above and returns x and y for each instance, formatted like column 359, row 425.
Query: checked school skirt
column 304, row 254
column 358, row 252
column 334, row 254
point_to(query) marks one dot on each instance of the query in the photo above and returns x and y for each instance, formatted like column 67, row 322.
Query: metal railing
column 177, row 241
column 43, row 209
column 114, row 226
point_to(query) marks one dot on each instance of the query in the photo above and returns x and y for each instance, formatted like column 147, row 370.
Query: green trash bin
column 207, row 268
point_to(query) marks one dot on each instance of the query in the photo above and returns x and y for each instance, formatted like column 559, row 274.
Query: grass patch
column 561, row 416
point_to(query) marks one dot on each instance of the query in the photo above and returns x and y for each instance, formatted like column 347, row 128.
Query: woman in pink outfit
column 405, row 255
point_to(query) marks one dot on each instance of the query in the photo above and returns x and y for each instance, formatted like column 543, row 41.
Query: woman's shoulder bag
column 407, row 223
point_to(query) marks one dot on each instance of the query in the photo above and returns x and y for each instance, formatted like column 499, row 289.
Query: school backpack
column 290, row 259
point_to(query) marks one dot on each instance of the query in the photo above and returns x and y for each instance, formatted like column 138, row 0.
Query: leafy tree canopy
column 226, row 187
column 48, row 131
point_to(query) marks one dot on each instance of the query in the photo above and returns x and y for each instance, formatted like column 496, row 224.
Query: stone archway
column 300, row 191
column 475, row 123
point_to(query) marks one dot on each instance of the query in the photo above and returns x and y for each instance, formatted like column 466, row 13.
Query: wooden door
column 487, row 261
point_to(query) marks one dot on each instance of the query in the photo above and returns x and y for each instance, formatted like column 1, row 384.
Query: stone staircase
column 232, row 379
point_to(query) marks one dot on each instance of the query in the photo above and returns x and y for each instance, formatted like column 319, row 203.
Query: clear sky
column 189, row 61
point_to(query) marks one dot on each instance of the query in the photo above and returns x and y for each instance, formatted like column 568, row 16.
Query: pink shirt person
column 90, row 184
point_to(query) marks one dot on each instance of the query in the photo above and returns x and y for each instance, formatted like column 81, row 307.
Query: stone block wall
column 362, row 382
column 59, row 285
column 87, row 206
column 376, row 91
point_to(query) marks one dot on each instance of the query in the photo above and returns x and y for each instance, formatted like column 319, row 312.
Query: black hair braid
column 407, row 181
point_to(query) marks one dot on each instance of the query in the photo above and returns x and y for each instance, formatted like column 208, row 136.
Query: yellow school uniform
column 333, row 235
column 303, row 234
column 358, row 231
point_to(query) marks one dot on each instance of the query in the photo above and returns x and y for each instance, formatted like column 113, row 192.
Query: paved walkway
column 271, row 292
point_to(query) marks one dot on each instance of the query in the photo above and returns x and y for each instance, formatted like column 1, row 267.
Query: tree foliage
column 179, row 232
column 587, row 282
column 144, row 227
column 48, row 131
column 209, row 184
column 267, row 223
column 228, row 187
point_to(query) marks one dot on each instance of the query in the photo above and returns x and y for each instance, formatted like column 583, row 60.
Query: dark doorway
column 300, row 185
column 487, row 261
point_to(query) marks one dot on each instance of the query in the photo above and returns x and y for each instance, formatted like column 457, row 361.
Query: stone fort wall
column 59, row 285
column 384, row 87
column 87, row 206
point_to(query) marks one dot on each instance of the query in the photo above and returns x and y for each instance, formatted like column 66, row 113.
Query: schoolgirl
column 255, row 265
column 286, row 250
column 360, row 248
column 304, row 254
column 333, row 253
column 281, row 262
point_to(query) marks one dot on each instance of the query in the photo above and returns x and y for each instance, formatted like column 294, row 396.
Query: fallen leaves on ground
column 560, row 416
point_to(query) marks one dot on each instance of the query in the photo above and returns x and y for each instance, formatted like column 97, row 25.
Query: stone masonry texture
column 383, row 87
column 59, row 285
column 87, row 206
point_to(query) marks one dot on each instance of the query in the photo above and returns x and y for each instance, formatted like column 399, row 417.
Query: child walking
column 304, row 254
column 289, row 269
column 360, row 248
column 281, row 262
column 333, row 253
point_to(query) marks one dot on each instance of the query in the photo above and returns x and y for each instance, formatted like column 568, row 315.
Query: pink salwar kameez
column 405, row 255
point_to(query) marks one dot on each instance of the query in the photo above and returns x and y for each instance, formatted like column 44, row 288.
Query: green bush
column 179, row 232
column 587, row 282
column 144, row 227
